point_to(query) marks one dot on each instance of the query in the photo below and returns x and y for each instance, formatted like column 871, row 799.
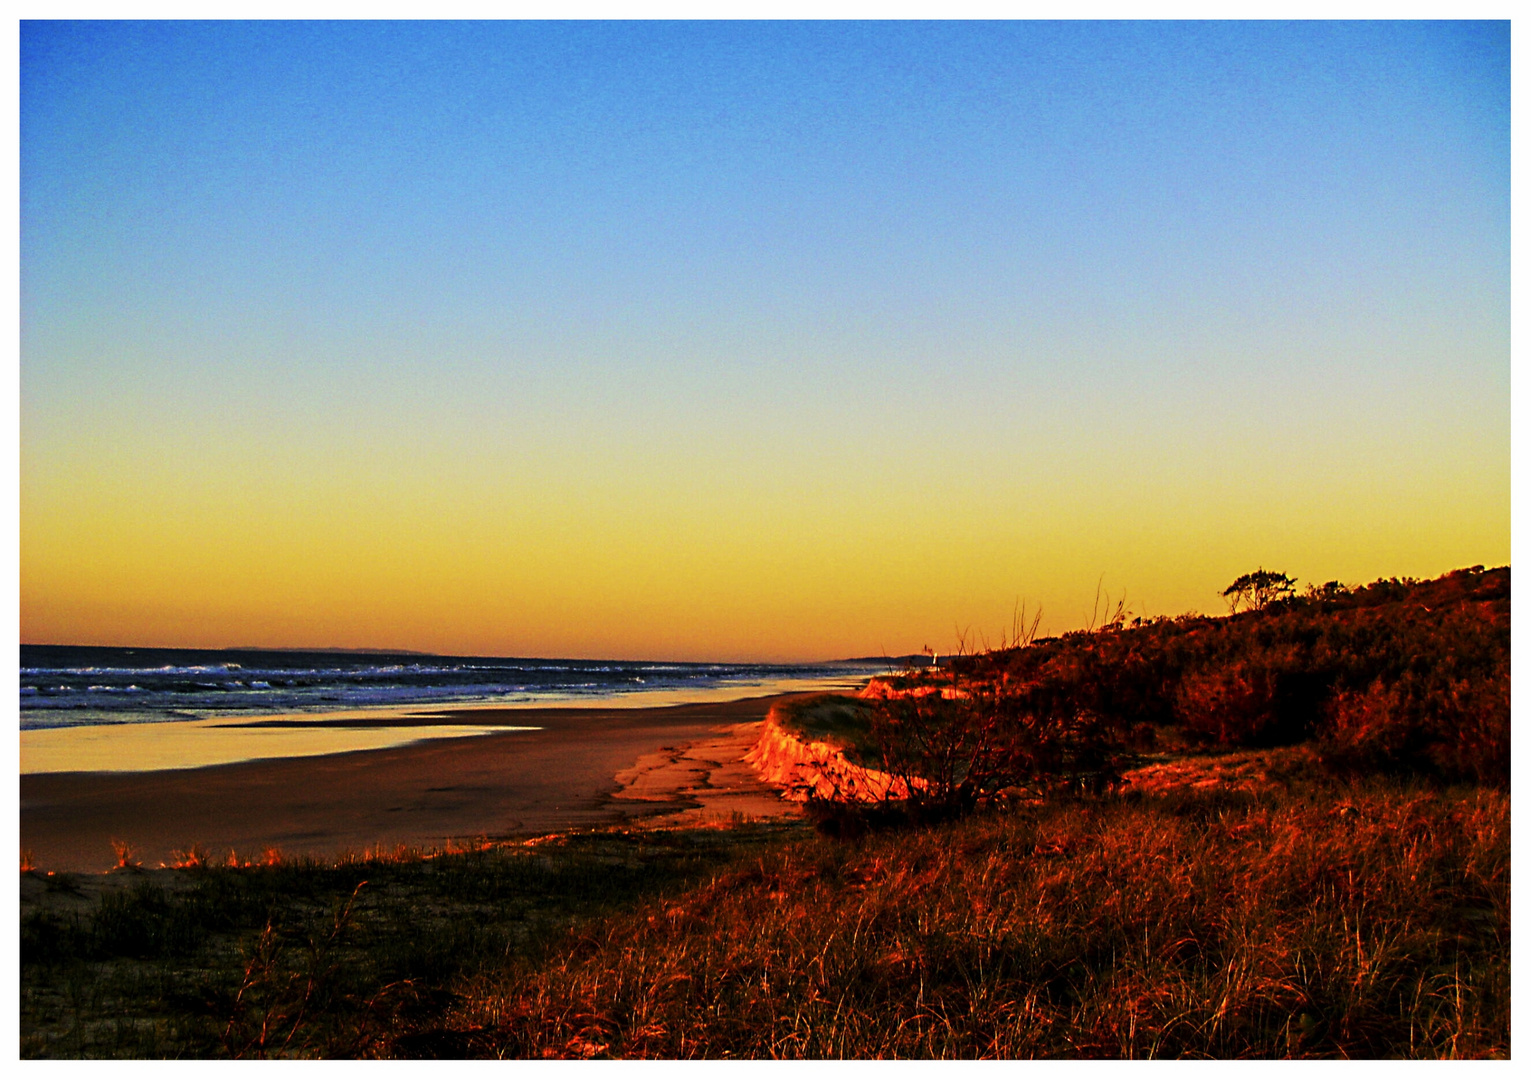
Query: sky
column 747, row 340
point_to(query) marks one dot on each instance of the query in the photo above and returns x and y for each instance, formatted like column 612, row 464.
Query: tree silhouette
column 1258, row 589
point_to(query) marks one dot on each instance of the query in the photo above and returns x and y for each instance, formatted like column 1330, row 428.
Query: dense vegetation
column 1318, row 867
column 1398, row 677
column 1401, row 677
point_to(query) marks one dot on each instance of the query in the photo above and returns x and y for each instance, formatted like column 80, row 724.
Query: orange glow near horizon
column 661, row 564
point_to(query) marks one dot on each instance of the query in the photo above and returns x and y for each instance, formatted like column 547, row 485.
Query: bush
column 1224, row 706
column 1456, row 730
column 1399, row 676
column 958, row 748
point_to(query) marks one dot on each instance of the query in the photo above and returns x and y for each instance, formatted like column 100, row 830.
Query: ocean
column 73, row 686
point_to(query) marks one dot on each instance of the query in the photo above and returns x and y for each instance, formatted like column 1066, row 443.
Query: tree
column 1255, row 591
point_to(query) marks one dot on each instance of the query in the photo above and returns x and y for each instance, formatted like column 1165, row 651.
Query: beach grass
column 1324, row 919
column 1364, row 921
column 837, row 719
column 306, row 957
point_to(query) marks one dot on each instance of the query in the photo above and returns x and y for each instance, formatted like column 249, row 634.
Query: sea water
column 99, row 709
column 72, row 686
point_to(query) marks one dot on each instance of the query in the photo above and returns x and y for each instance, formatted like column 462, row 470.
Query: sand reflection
column 192, row 744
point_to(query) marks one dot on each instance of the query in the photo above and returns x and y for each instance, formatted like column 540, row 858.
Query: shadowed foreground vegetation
column 1280, row 834
column 304, row 958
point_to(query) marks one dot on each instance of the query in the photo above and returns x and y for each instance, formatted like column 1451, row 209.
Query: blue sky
column 1149, row 300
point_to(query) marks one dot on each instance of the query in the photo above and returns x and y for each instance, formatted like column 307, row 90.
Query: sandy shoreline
column 583, row 767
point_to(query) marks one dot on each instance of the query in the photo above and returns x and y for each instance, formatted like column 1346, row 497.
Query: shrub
column 1454, row 729
column 1222, row 706
column 1402, row 676
column 955, row 749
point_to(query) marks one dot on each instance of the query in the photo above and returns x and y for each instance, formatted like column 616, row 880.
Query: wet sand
column 679, row 763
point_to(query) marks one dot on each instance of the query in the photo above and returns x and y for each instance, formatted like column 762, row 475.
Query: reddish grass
column 1224, row 926
column 127, row 855
column 192, row 857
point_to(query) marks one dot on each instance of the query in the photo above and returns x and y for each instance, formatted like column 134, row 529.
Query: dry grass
column 1225, row 926
column 127, row 855
column 192, row 857
column 292, row 956
column 1287, row 918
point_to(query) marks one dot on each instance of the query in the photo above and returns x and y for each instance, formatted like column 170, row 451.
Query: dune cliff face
column 806, row 768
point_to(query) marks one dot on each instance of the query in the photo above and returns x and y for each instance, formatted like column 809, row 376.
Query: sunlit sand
column 530, row 772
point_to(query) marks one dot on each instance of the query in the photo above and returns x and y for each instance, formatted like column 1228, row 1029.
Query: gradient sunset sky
column 748, row 341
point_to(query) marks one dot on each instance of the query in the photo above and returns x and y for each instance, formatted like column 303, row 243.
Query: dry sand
column 585, row 767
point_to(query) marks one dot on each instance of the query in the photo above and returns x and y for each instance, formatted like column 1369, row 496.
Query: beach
column 579, row 767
